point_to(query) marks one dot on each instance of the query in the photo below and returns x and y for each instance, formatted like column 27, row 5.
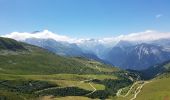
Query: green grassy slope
column 33, row 60
column 157, row 89
column 30, row 72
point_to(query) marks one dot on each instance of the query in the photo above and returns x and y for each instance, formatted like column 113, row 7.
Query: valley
column 84, row 50
column 29, row 72
column 35, row 73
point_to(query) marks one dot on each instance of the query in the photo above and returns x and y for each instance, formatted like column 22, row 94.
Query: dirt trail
column 138, row 90
column 120, row 90
column 94, row 89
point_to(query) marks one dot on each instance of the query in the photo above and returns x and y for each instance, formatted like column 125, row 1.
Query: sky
column 84, row 18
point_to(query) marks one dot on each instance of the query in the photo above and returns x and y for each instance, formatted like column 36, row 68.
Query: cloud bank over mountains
column 148, row 35
column 45, row 34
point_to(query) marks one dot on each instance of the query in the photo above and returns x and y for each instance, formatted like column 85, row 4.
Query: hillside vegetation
column 156, row 88
column 30, row 72
column 9, row 44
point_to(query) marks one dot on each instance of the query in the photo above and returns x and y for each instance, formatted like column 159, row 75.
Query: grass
column 39, row 61
column 46, row 81
column 57, row 77
column 158, row 89
column 64, row 80
column 30, row 72
column 74, row 98
column 131, row 93
column 83, row 85
column 20, row 58
column 6, row 95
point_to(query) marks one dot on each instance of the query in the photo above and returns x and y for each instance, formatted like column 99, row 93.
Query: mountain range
column 31, row 72
column 62, row 48
column 118, row 51
column 125, row 54
column 137, row 57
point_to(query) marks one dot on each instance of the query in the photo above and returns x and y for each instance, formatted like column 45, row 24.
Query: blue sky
column 85, row 18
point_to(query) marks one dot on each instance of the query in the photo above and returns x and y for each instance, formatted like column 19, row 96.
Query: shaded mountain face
column 125, row 44
column 162, row 42
column 137, row 57
column 156, row 70
column 61, row 48
column 9, row 44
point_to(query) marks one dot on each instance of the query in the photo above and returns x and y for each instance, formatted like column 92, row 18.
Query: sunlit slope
column 28, row 59
column 157, row 89
column 30, row 72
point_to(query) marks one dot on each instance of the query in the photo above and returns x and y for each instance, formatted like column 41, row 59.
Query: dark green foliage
column 113, row 85
column 67, row 91
column 10, row 96
column 156, row 70
column 24, row 86
column 101, row 94
column 10, row 44
column 22, row 89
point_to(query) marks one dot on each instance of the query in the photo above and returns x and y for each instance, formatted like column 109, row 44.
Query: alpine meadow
column 84, row 50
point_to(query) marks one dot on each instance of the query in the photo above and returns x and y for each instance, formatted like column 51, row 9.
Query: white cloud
column 148, row 35
column 43, row 34
column 158, row 16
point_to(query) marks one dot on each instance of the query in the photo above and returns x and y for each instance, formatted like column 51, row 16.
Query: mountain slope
column 34, row 73
column 156, row 70
column 157, row 89
column 137, row 57
column 61, row 48
column 31, row 59
column 153, row 86
column 9, row 44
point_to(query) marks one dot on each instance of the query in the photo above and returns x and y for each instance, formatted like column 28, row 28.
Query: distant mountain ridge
column 156, row 70
column 62, row 48
column 138, row 57
column 127, row 54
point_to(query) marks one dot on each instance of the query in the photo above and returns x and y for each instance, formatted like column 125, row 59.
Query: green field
column 158, row 89
column 37, row 86
column 155, row 89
